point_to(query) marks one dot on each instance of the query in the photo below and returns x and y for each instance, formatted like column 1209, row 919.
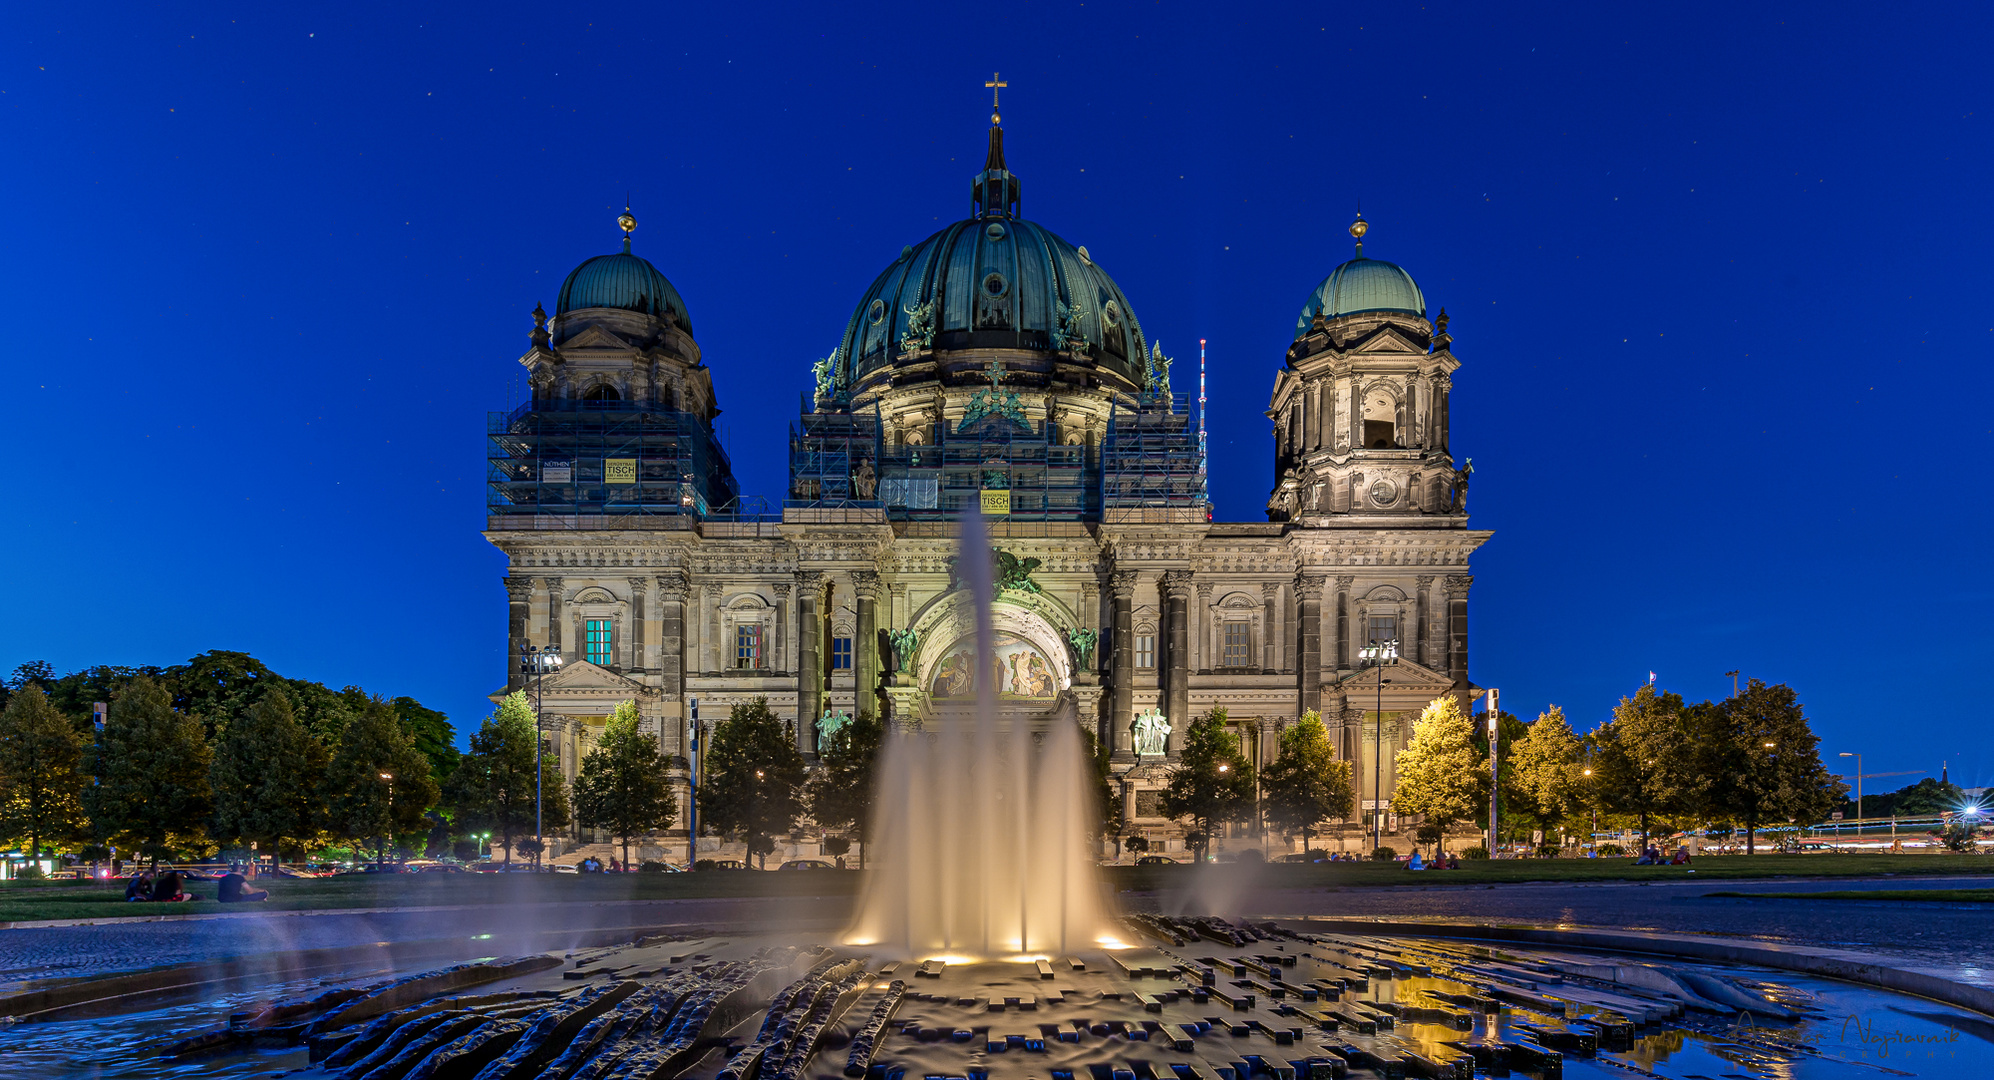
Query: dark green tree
column 1107, row 794
column 1764, row 762
column 377, row 784
column 1306, row 784
column 151, row 764
column 622, row 785
column 1929, row 797
column 492, row 786
column 753, row 783
column 41, row 772
column 1212, row 783
column 841, row 793
column 1642, row 764
column 432, row 733
column 267, row 775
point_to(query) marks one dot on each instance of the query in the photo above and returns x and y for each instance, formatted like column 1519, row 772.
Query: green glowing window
column 599, row 635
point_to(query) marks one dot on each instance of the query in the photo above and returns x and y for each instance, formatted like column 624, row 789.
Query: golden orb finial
column 626, row 222
column 1359, row 227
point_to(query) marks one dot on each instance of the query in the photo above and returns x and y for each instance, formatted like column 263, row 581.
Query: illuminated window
column 599, row 633
column 841, row 654
column 1145, row 650
column 1238, row 644
column 748, row 646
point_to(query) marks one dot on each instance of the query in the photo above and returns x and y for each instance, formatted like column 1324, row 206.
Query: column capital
column 518, row 588
column 673, row 585
column 1204, row 587
column 639, row 586
column 553, row 583
column 1309, row 586
column 865, row 584
column 782, row 590
column 1270, row 591
column 1457, row 586
column 810, row 579
column 1344, row 581
column 1123, row 583
column 1425, row 581
column 1177, row 583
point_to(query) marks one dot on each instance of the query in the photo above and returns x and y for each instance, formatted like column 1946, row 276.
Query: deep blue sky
column 1717, row 278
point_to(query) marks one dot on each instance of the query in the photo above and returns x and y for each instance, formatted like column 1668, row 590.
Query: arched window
column 1381, row 411
column 602, row 392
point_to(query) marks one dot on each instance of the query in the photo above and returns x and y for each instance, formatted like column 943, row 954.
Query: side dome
column 1005, row 283
column 1360, row 286
column 623, row 281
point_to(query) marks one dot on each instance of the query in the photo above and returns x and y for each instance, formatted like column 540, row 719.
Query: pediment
column 580, row 675
column 1402, row 677
column 595, row 337
column 1387, row 339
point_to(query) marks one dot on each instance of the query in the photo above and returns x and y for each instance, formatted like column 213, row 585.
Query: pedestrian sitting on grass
column 139, row 888
column 170, row 886
column 1682, row 857
column 1416, row 863
column 235, row 888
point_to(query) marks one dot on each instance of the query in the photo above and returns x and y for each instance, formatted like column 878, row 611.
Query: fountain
column 980, row 849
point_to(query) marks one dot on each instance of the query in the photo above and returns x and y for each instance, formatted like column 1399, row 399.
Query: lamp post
column 538, row 662
column 1858, row 758
column 1592, row 800
column 692, row 787
column 1495, row 773
column 1378, row 654
column 381, row 857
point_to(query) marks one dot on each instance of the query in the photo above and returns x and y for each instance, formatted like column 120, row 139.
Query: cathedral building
column 992, row 365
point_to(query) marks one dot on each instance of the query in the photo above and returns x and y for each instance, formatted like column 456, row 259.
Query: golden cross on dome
column 996, row 372
column 995, row 84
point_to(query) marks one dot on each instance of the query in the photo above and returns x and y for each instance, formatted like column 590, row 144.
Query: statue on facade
column 829, row 724
column 1457, row 503
column 829, row 379
column 904, row 643
column 865, row 484
column 1083, row 641
column 1152, row 734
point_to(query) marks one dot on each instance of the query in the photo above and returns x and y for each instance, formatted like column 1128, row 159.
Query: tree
column 622, row 784
column 1765, row 764
column 41, row 771
column 377, row 784
column 1212, row 783
column 1511, row 731
column 1439, row 773
column 266, row 776
column 841, row 794
column 1307, row 783
column 492, row 786
column 432, row 734
column 1546, row 769
column 1107, row 794
column 1640, row 766
column 151, row 766
column 753, row 787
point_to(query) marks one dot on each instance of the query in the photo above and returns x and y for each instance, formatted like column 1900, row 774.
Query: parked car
column 443, row 868
column 1156, row 860
column 807, row 864
column 1304, row 857
column 722, row 864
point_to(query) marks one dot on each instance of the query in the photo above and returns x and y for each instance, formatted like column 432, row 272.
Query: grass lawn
column 1966, row 896
column 24, row 901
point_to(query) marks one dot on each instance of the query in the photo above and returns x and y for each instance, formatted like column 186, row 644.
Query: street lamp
column 1378, row 654
column 1858, row 758
column 382, row 856
column 538, row 662
column 1495, row 771
column 1592, row 800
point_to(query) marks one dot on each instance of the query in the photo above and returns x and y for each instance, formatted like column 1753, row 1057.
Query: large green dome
column 624, row 281
column 1360, row 286
column 995, row 281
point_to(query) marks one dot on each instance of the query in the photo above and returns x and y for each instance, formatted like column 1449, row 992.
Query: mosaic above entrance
column 1019, row 669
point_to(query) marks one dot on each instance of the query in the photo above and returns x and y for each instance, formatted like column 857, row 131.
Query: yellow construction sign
column 619, row 470
column 996, row 502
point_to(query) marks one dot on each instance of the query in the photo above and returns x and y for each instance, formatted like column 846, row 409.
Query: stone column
column 1177, row 680
column 1457, row 629
column 639, row 662
column 709, row 606
column 778, row 650
column 553, row 586
column 1202, row 627
column 1270, row 629
column 1356, row 413
column 1419, row 627
column 1308, row 647
column 1342, row 658
column 1440, row 388
column 1326, row 413
column 694, row 639
column 809, row 679
column 896, row 613
column 519, row 601
column 865, row 649
column 672, row 590
column 1122, row 715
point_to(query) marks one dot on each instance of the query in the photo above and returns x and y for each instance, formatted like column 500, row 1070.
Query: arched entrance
column 1031, row 671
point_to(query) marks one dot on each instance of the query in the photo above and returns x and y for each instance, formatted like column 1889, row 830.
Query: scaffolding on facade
column 603, row 465
column 1153, row 457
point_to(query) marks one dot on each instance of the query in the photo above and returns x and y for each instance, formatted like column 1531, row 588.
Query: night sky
column 1717, row 279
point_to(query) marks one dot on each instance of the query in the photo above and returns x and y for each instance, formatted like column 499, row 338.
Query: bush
column 1549, row 851
column 1956, row 837
column 1431, row 832
column 651, row 866
column 1611, row 851
column 1384, row 854
column 1251, row 854
column 835, row 846
column 1476, row 852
